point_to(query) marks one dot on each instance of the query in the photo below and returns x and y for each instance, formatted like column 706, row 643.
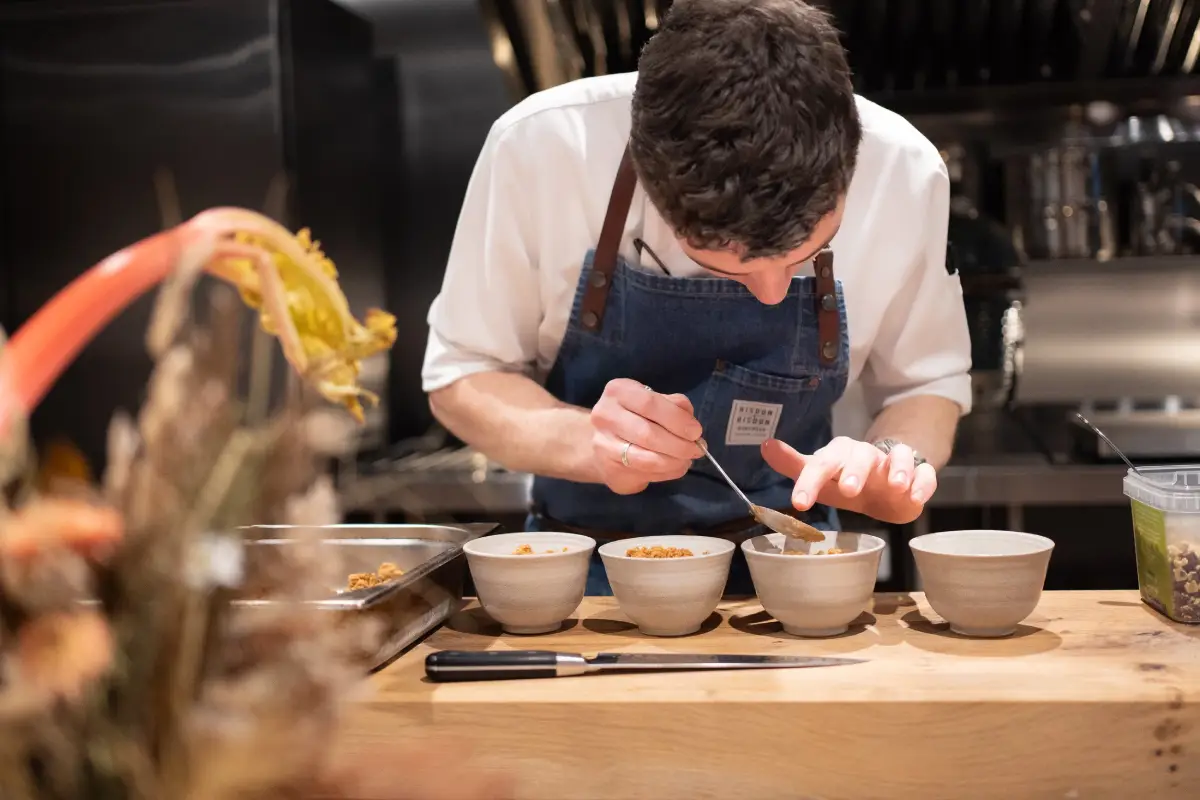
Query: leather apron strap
column 828, row 317
column 604, row 265
column 604, row 260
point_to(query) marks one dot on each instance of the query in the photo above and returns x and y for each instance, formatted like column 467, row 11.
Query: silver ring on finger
column 625, row 454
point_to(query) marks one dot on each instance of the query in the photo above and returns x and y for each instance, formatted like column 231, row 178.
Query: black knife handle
column 468, row 665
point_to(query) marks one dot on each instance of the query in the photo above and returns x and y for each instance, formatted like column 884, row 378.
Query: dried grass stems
column 127, row 671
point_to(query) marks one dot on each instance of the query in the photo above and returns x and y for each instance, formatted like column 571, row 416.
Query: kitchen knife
column 474, row 665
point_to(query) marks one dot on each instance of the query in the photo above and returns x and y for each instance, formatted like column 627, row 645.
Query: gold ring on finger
column 625, row 453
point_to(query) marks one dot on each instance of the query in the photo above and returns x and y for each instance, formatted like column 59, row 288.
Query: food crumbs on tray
column 658, row 551
column 833, row 551
column 362, row 580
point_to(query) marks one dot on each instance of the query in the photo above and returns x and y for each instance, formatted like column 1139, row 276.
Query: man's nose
column 769, row 287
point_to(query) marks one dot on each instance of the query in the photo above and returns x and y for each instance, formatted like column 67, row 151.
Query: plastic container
column 1166, row 527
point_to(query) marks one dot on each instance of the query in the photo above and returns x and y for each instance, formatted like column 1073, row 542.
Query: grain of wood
column 1096, row 696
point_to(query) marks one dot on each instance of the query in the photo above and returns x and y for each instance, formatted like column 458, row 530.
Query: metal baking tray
column 430, row 590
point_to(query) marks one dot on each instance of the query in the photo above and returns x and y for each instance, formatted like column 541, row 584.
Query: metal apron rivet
column 598, row 279
column 590, row 320
column 814, row 382
column 829, row 349
column 826, row 272
column 829, row 302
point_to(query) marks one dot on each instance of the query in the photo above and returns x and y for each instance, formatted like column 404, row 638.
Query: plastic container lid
column 1169, row 488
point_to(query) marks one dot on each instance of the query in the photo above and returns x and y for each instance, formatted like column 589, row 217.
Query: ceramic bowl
column 668, row 596
column 814, row 594
column 984, row 583
column 534, row 593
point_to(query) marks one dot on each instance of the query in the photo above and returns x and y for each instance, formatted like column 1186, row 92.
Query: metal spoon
column 1100, row 433
column 775, row 520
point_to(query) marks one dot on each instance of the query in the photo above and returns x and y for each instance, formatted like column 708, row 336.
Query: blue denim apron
column 744, row 365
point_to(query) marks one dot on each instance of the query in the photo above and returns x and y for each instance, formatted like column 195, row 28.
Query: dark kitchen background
column 1069, row 128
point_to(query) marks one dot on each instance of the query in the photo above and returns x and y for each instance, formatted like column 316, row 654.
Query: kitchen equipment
column 982, row 252
column 532, row 592
column 668, row 596
column 467, row 665
column 1166, row 527
column 1096, row 332
column 430, row 590
column 1061, row 199
column 814, row 593
column 1109, row 441
column 984, row 583
column 775, row 520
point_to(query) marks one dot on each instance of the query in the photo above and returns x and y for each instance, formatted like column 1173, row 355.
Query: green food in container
column 1166, row 527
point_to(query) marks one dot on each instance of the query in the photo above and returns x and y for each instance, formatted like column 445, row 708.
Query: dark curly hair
column 745, row 129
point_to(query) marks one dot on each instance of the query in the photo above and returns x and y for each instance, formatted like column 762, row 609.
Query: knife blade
column 473, row 665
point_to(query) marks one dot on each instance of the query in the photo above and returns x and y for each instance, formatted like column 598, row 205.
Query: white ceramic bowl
column 814, row 595
column 668, row 596
column 984, row 583
column 530, row 593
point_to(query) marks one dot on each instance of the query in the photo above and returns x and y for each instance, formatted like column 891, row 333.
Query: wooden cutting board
column 1096, row 696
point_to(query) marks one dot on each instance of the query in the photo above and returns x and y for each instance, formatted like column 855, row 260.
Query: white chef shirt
column 536, row 201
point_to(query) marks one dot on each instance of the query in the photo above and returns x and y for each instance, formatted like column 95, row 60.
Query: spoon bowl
column 788, row 525
column 776, row 521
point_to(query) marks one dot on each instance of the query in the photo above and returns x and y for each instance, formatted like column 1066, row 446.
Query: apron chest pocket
column 741, row 409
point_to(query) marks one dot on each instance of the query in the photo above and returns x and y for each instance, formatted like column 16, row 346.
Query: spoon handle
column 1102, row 435
column 704, row 446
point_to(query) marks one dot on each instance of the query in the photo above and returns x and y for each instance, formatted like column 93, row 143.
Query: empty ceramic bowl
column 530, row 592
column 668, row 596
column 814, row 593
column 984, row 583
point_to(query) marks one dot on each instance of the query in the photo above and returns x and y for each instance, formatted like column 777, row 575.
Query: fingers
column 682, row 401
column 639, row 458
column 642, row 437
column 818, row 471
column 901, row 464
column 858, row 462
column 626, row 426
column 650, row 405
column 924, row 484
column 623, row 481
column 783, row 458
column 857, row 476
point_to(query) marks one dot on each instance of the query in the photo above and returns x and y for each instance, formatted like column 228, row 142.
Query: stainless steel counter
column 467, row 491
column 998, row 462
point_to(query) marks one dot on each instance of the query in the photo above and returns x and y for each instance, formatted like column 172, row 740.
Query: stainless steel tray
column 430, row 590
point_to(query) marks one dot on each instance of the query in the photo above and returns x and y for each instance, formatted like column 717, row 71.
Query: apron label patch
column 752, row 423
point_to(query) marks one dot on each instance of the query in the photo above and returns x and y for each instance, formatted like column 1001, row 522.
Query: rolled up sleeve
column 923, row 346
column 487, row 314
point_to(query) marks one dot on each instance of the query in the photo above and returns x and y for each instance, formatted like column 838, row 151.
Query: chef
column 715, row 246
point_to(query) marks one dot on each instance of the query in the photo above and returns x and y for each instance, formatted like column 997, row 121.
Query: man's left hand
column 856, row 476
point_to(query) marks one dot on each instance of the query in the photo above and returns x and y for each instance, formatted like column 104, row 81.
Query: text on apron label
column 752, row 423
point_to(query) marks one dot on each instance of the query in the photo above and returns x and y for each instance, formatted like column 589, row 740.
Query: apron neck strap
column 604, row 260
column 829, row 333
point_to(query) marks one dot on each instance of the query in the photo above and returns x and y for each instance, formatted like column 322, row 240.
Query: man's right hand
column 641, row 437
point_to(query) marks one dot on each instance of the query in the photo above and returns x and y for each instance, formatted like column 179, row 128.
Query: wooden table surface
column 1096, row 696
